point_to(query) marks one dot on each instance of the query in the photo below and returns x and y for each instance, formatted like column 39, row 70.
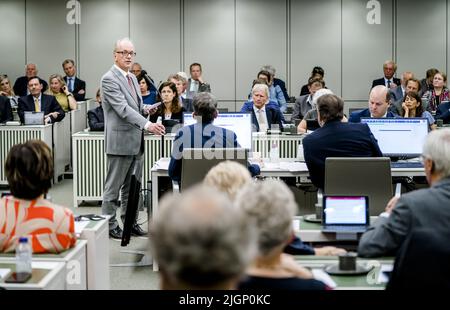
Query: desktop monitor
column 132, row 207
column 239, row 123
column 399, row 137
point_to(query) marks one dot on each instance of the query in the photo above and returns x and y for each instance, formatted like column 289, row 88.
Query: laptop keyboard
column 346, row 228
column 407, row 164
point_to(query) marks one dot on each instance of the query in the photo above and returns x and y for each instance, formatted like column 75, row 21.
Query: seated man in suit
column 202, row 133
column 76, row 86
column 422, row 209
column 5, row 110
column 398, row 93
column 196, row 84
column 38, row 102
column 96, row 117
column 21, row 84
column 335, row 139
column 389, row 69
column 305, row 103
column 266, row 114
column 379, row 101
column 443, row 112
column 411, row 85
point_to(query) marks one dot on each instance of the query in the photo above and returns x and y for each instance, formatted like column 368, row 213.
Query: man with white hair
column 21, row 84
column 422, row 209
column 379, row 102
column 201, row 240
column 124, row 133
column 388, row 80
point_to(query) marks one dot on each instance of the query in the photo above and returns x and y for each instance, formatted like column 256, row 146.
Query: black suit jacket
column 77, row 86
column 96, row 119
column 337, row 139
column 443, row 112
column 5, row 110
column 282, row 86
column 48, row 105
column 21, row 86
column 381, row 82
column 273, row 116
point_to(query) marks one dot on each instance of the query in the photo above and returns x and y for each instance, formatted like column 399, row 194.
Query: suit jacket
column 187, row 104
column 21, row 86
column 278, row 82
column 356, row 116
column 96, row 119
column 337, row 139
column 274, row 116
column 205, row 87
column 301, row 107
column 382, row 82
column 124, row 122
column 77, row 86
column 5, row 110
column 443, row 112
column 48, row 105
column 421, row 209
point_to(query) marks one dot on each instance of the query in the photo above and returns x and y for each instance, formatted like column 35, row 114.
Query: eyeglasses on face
column 126, row 53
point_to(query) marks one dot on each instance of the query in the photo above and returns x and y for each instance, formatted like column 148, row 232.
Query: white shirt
column 124, row 73
column 386, row 82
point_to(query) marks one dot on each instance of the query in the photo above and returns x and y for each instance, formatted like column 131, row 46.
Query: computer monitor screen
column 239, row 123
column 399, row 137
column 345, row 210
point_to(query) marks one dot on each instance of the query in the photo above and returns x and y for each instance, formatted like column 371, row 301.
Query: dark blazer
column 382, row 82
column 195, row 136
column 274, row 116
column 443, row 112
column 96, row 119
column 5, row 110
column 21, row 86
column 48, row 105
column 421, row 209
column 175, row 116
column 187, row 104
column 282, row 86
column 77, row 86
column 337, row 139
column 356, row 116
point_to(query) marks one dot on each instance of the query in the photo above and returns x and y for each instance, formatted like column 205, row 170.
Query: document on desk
column 4, row 272
column 293, row 166
column 321, row 275
column 162, row 164
column 80, row 226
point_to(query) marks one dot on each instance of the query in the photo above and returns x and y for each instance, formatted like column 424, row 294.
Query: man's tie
column 262, row 121
column 389, row 84
column 130, row 83
column 36, row 105
column 71, row 84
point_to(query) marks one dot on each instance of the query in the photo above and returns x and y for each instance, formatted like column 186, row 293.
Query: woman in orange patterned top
column 51, row 228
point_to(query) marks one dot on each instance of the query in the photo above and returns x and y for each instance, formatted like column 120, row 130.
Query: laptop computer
column 345, row 214
column 34, row 118
column 312, row 124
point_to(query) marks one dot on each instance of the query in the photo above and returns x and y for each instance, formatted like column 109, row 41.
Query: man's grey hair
column 437, row 148
column 270, row 69
column 321, row 92
column 120, row 42
column 205, row 106
column 261, row 87
column 271, row 205
column 200, row 239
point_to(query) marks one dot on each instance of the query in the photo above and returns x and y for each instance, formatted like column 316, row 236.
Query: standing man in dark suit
column 76, row 86
column 264, row 115
column 38, row 102
column 389, row 69
column 124, row 136
column 422, row 209
column 5, row 110
column 379, row 102
column 335, row 139
column 21, row 84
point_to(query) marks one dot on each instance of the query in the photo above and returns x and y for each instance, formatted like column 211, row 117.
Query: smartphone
column 152, row 106
column 18, row 277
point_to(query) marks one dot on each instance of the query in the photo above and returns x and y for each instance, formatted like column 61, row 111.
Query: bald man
column 21, row 84
column 379, row 101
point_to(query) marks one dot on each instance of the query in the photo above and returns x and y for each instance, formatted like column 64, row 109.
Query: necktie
column 130, row 83
column 389, row 84
column 36, row 105
column 262, row 121
column 71, row 84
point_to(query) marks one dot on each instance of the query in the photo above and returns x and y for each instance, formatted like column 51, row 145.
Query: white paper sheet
column 4, row 272
column 321, row 275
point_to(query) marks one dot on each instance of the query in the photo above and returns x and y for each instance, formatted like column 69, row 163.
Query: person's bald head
column 379, row 101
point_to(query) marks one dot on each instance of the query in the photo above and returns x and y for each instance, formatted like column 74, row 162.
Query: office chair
column 197, row 162
column 360, row 177
column 422, row 262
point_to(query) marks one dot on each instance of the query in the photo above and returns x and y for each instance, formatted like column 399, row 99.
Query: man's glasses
column 126, row 53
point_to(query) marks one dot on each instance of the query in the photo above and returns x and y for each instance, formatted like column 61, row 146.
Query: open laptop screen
column 345, row 210
column 239, row 123
column 399, row 137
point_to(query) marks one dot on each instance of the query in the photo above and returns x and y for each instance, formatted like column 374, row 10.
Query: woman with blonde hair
column 58, row 88
column 7, row 91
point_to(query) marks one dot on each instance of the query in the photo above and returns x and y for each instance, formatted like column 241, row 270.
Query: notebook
column 345, row 214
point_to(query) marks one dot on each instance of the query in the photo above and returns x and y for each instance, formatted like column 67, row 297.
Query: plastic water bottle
column 274, row 153
column 23, row 256
column 159, row 120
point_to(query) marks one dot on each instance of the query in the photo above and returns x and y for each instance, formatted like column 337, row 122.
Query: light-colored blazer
column 124, row 122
